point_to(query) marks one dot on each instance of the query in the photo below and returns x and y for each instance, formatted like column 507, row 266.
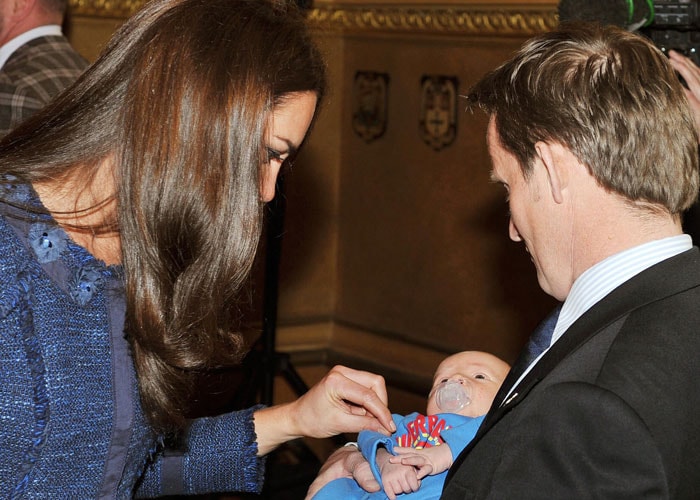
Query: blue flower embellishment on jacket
column 14, row 191
column 47, row 242
column 85, row 283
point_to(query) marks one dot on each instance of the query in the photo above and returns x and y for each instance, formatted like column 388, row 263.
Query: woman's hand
column 345, row 400
column 691, row 74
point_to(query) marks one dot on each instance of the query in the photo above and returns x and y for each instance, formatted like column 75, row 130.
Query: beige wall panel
column 391, row 238
column 89, row 34
column 423, row 251
column 309, row 248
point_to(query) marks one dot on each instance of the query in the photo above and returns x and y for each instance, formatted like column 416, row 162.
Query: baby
column 415, row 459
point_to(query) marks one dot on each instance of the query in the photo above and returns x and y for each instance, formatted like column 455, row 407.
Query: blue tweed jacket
column 70, row 421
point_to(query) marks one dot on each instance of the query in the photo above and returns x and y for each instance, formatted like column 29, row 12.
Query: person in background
column 691, row 75
column 130, row 212
column 593, row 140
column 36, row 60
column 463, row 389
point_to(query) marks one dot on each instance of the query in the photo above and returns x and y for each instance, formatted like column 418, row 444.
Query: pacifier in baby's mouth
column 452, row 395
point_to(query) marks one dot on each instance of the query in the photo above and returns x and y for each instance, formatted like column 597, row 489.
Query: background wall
column 395, row 252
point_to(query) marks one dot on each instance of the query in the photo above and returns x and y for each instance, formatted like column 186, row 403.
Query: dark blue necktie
column 542, row 336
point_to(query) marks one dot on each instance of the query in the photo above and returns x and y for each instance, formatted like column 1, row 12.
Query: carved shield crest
column 438, row 117
column 370, row 98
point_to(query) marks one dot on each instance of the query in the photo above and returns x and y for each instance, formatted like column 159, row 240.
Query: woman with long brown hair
column 130, row 213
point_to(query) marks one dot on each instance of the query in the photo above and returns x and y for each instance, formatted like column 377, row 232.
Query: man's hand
column 345, row 462
column 691, row 74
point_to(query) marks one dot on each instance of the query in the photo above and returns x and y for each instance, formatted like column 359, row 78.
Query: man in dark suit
column 36, row 60
column 591, row 135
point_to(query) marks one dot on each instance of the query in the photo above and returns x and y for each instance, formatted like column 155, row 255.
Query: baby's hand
column 398, row 479
column 427, row 461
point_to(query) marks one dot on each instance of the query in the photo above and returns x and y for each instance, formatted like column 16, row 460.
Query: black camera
column 676, row 25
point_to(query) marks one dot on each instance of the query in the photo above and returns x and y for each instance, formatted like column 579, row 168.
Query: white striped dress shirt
column 601, row 279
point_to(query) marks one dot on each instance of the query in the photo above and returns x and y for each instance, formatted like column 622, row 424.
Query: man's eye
column 480, row 376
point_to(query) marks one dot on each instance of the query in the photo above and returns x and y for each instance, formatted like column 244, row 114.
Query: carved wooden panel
column 504, row 20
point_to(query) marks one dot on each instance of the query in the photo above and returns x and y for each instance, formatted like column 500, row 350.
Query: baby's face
column 481, row 372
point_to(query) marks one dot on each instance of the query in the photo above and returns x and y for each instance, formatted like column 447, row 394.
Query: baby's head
column 479, row 373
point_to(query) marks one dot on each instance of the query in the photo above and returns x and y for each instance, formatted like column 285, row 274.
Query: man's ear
column 551, row 157
column 21, row 8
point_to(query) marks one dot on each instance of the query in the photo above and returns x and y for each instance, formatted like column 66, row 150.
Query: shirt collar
column 602, row 278
column 599, row 280
column 10, row 47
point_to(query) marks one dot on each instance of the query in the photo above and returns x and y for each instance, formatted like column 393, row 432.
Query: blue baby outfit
column 71, row 425
column 414, row 430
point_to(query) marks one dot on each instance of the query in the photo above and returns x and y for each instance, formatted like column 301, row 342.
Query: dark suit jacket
column 34, row 74
column 611, row 411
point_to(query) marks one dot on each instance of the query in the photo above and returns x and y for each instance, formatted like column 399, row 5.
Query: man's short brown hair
column 609, row 96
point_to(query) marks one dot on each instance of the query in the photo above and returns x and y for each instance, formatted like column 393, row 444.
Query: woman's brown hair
column 179, row 100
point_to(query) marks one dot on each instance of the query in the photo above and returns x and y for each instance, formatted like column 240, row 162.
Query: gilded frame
column 500, row 20
column 105, row 8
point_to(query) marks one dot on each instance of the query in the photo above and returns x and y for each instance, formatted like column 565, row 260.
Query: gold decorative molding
column 423, row 19
column 105, row 8
column 505, row 21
